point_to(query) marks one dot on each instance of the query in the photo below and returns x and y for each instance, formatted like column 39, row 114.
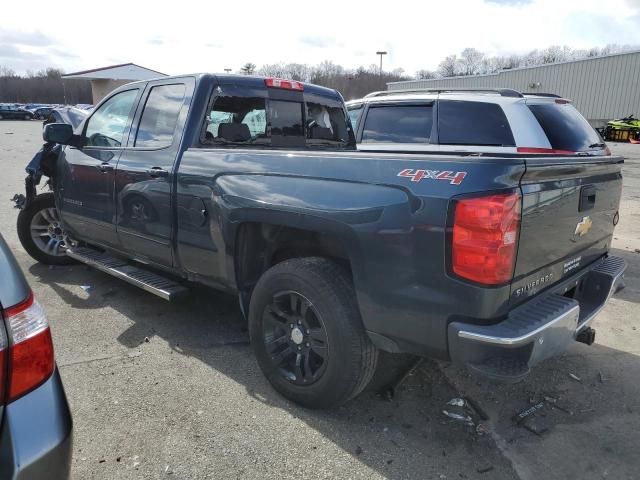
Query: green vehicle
column 623, row 129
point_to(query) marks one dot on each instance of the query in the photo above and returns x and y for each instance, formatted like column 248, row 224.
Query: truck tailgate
column 569, row 211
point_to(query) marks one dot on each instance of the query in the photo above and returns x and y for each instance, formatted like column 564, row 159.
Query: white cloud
column 203, row 36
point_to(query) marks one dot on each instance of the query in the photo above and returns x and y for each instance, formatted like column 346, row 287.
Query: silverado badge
column 583, row 226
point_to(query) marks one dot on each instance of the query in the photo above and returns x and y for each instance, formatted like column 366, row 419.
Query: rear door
column 86, row 175
column 570, row 202
column 144, row 176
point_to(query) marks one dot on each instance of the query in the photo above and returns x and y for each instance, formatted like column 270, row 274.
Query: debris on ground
column 86, row 288
column 575, row 377
column 524, row 414
column 358, row 450
column 457, row 409
column 476, row 408
column 537, row 425
column 146, row 340
column 485, row 469
column 563, row 409
column 481, row 429
column 600, row 377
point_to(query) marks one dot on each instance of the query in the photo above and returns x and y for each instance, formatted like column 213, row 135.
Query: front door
column 144, row 175
column 85, row 189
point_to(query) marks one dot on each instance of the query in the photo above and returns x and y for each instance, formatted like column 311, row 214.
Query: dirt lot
column 160, row 389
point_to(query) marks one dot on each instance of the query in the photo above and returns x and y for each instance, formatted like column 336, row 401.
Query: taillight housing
column 484, row 243
column 544, row 151
column 29, row 353
column 284, row 84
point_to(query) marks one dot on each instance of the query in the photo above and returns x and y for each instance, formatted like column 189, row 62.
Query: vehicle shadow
column 408, row 436
column 403, row 437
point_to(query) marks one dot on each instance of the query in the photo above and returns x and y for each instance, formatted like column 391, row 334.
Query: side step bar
column 149, row 281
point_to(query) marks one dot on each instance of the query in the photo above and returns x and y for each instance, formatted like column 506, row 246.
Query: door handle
column 156, row 172
column 105, row 167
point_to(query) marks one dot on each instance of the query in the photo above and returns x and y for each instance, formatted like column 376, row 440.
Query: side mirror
column 58, row 133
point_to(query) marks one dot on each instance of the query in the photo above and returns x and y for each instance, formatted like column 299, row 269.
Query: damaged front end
column 42, row 164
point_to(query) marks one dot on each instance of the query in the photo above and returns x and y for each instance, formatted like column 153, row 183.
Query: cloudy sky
column 190, row 36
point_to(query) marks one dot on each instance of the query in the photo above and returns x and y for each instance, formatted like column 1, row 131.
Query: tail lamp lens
column 485, row 238
column 29, row 355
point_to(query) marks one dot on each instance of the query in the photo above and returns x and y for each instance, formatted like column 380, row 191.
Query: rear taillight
column 29, row 352
column 4, row 350
column 544, row 151
column 485, row 238
column 284, row 84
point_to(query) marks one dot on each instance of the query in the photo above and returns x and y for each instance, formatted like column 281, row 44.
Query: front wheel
column 41, row 233
column 307, row 333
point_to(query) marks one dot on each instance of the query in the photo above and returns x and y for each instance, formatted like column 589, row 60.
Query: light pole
column 381, row 53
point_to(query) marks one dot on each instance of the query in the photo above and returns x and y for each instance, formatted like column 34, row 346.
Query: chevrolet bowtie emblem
column 583, row 226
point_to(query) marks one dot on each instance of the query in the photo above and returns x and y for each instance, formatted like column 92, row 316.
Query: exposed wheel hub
column 297, row 336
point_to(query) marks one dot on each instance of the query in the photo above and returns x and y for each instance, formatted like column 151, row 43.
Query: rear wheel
column 41, row 233
column 307, row 333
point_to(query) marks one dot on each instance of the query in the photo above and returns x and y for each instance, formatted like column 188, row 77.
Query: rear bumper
column 36, row 435
column 538, row 329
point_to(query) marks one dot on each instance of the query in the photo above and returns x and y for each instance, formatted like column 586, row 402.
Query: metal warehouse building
column 602, row 88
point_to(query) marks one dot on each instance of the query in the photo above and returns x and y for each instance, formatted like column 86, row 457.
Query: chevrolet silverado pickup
column 496, row 260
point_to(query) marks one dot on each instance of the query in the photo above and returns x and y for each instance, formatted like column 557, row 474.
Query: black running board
column 135, row 275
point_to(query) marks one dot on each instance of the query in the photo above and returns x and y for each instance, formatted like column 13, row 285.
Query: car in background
column 41, row 113
column 472, row 122
column 84, row 106
column 14, row 112
column 35, row 421
column 71, row 115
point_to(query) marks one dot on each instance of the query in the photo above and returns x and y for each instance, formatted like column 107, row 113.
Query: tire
column 40, row 234
column 320, row 294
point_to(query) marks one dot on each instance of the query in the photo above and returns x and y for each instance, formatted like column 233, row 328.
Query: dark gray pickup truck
column 254, row 186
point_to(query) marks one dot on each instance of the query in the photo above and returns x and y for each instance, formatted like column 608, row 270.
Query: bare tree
column 248, row 68
column 449, row 66
column 426, row 74
column 470, row 61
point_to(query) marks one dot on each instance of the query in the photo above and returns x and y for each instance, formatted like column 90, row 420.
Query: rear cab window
column 272, row 117
column 473, row 123
column 398, row 123
column 565, row 128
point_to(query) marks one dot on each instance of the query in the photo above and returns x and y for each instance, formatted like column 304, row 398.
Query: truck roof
column 251, row 81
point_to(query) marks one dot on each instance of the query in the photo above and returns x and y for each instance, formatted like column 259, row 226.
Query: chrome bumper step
column 150, row 281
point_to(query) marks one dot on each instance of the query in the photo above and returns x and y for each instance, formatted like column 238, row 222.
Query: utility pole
column 381, row 53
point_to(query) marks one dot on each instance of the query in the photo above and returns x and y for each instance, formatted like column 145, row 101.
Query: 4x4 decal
column 417, row 175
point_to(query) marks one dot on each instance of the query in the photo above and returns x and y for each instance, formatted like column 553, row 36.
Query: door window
column 109, row 123
column 473, row 123
column 398, row 124
column 354, row 116
column 160, row 116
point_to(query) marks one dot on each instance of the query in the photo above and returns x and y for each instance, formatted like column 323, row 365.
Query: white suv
column 500, row 121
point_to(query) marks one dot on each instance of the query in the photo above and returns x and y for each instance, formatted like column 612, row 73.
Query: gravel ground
column 173, row 390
